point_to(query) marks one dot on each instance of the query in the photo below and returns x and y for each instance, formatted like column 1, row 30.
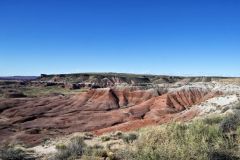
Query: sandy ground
column 219, row 105
column 50, row 147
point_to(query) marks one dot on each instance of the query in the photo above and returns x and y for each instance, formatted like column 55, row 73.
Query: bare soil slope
column 32, row 120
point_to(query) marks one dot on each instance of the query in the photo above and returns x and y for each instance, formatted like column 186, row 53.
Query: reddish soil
column 32, row 120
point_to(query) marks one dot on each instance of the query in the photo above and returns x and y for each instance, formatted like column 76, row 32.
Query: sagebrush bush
column 73, row 150
column 77, row 148
column 13, row 153
column 105, row 138
column 95, row 151
column 116, row 135
column 230, row 123
column 60, row 146
column 77, row 145
column 64, row 154
column 129, row 138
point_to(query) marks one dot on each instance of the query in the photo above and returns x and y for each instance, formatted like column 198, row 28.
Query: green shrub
column 61, row 146
column 117, row 135
column 13, row 153
column 99, row 153
column 230, row 123
column 95, row 151
column 129, row 138
column 105, row 138
column 64, row 154
column 76, row 145
column 74, row 149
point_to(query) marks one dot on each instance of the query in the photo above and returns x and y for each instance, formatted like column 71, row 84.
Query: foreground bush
column 230, row 123
column 77, row 149
column 129, row 138
column 105, row 138
column 194, row 141
column 71, row 151
column 95, row 151
column 13, row 153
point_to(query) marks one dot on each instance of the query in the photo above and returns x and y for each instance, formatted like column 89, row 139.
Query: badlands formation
column 109, row 102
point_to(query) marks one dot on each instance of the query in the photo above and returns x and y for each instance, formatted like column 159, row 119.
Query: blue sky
column 187, row 37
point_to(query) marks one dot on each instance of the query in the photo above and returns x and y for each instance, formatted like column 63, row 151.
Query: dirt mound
column 31, row 120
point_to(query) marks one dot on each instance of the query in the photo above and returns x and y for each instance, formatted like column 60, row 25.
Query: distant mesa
column 20, row 78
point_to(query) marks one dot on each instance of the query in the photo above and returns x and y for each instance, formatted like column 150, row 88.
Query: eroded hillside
column 117, row 102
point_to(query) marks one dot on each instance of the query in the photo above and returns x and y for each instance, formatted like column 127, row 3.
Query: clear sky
column 176, row 37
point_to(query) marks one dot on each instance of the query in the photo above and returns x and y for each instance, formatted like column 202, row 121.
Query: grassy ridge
column 41, row 91
column 31, row 91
